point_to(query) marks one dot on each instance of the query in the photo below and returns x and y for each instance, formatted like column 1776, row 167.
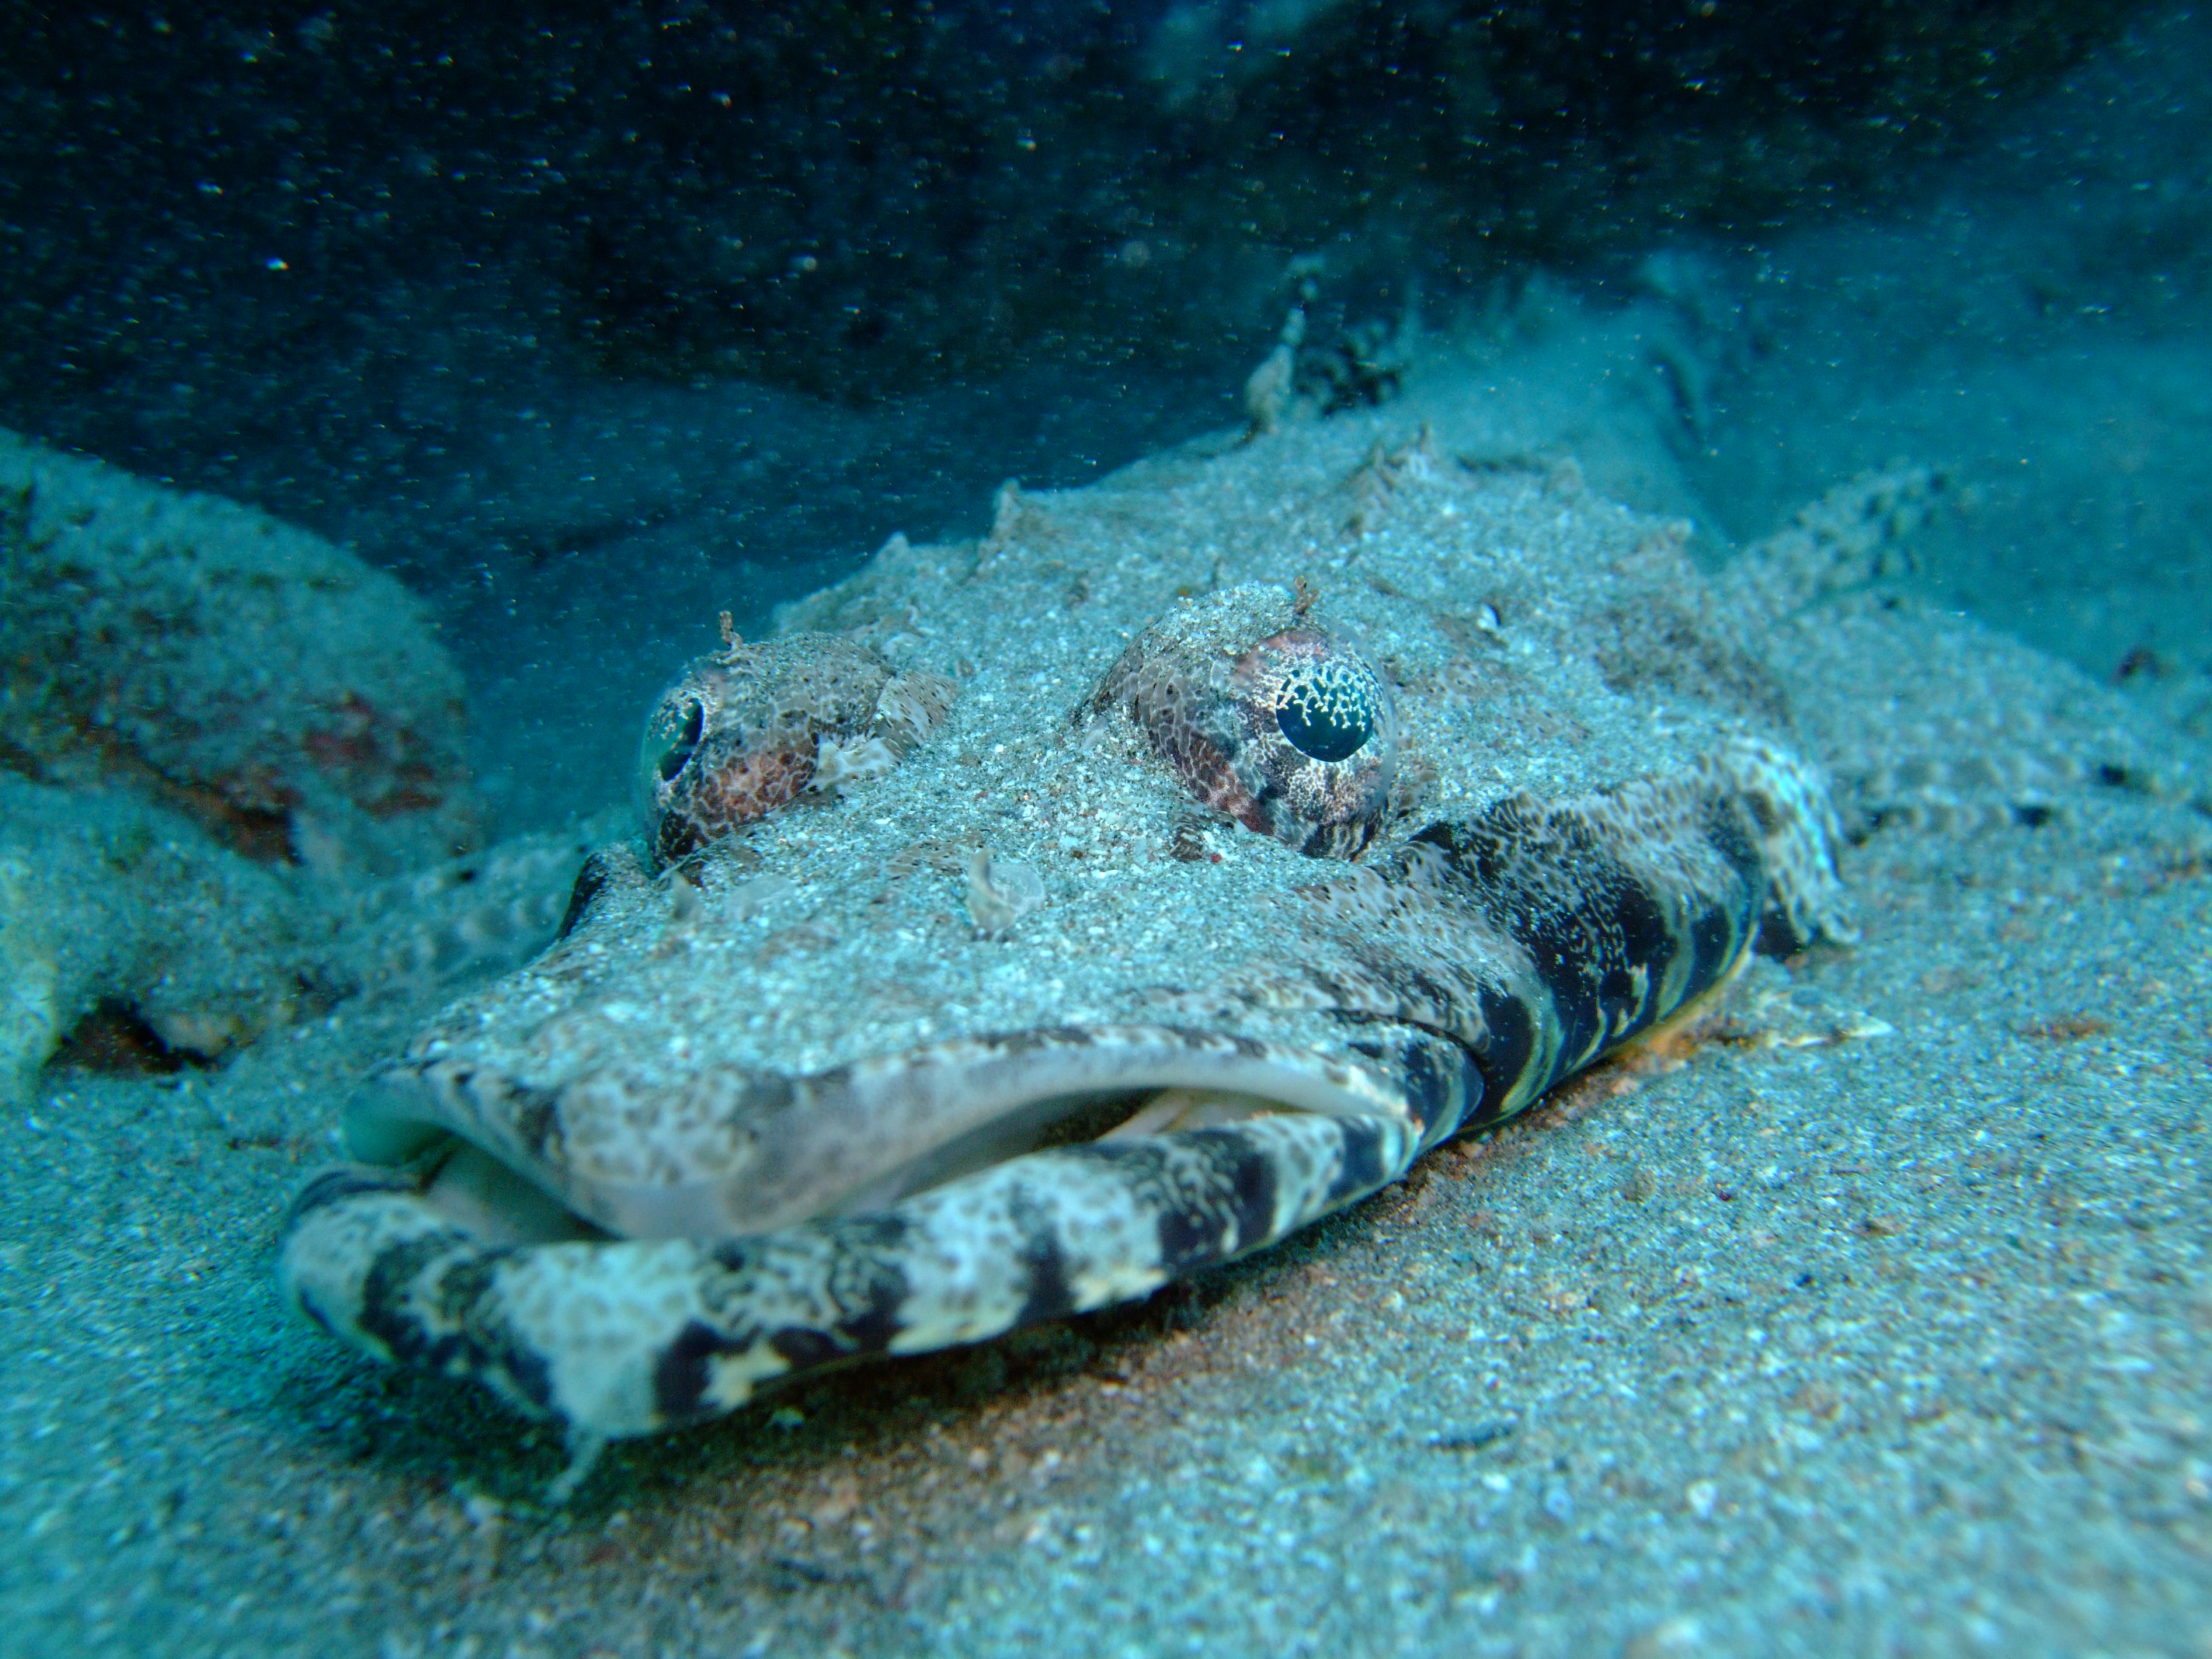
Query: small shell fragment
column 1001, row 893
column 749, row 898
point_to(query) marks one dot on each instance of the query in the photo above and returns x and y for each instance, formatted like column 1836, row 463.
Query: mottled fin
column 1855, row 534
column 913, row 705
column 1798, row 836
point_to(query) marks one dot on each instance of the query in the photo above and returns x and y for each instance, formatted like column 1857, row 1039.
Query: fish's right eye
column 1292, row 734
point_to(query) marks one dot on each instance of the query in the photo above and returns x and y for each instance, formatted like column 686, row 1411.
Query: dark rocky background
column 589, row 319
column 238, row 224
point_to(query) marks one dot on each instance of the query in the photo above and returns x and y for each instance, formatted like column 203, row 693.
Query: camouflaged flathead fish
column 1031, row 922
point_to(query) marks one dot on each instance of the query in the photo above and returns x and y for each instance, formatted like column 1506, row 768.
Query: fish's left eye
column 671, row 739
column 1328, row 712
column 1281, row 724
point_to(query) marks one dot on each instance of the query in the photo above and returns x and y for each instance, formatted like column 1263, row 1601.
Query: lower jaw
column 622, row 1337
column 474, row 1190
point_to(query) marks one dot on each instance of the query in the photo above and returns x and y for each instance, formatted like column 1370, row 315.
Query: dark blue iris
column 679, row 752
column 1326, row 719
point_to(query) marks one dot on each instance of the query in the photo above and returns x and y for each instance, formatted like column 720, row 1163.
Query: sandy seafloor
column 1901, row 1344
column 1897, row 1345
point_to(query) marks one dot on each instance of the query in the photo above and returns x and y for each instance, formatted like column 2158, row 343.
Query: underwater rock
column 107, row 899
column 112, row 906
column 232, row 778
column 257, row 679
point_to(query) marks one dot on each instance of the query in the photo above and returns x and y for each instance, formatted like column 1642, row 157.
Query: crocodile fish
column 1029, row 922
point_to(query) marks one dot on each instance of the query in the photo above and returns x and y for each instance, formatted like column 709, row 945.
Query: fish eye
column 672, row 736
column 1327, row 711
column 679, row 752
column 1266, row 716
column 745, row 732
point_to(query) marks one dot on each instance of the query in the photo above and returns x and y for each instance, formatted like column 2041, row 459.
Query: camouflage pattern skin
column 1353, row 832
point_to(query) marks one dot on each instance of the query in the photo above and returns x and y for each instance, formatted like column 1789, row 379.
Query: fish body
column 1236, row 830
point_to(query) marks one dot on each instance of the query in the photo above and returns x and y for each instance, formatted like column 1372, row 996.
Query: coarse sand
column 1874, row 1320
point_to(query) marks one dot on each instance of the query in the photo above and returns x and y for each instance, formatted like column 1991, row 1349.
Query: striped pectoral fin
column 1624, row 910
column 623, row 1337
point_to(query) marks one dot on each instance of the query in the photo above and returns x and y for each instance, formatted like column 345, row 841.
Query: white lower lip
column 855, row 1141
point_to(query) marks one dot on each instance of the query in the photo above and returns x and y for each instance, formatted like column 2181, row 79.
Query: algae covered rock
column 107, row 900
column 263, row 682
column 116, row 909
column 233, row 791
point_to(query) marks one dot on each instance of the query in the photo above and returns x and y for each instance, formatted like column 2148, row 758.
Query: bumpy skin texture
column 770, row 1167
column 1492, row 958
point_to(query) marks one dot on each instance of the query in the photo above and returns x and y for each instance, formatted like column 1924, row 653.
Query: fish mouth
column 727, row 1153
column 1013, row 1179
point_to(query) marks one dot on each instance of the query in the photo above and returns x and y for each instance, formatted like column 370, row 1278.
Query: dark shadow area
column 591, row 322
